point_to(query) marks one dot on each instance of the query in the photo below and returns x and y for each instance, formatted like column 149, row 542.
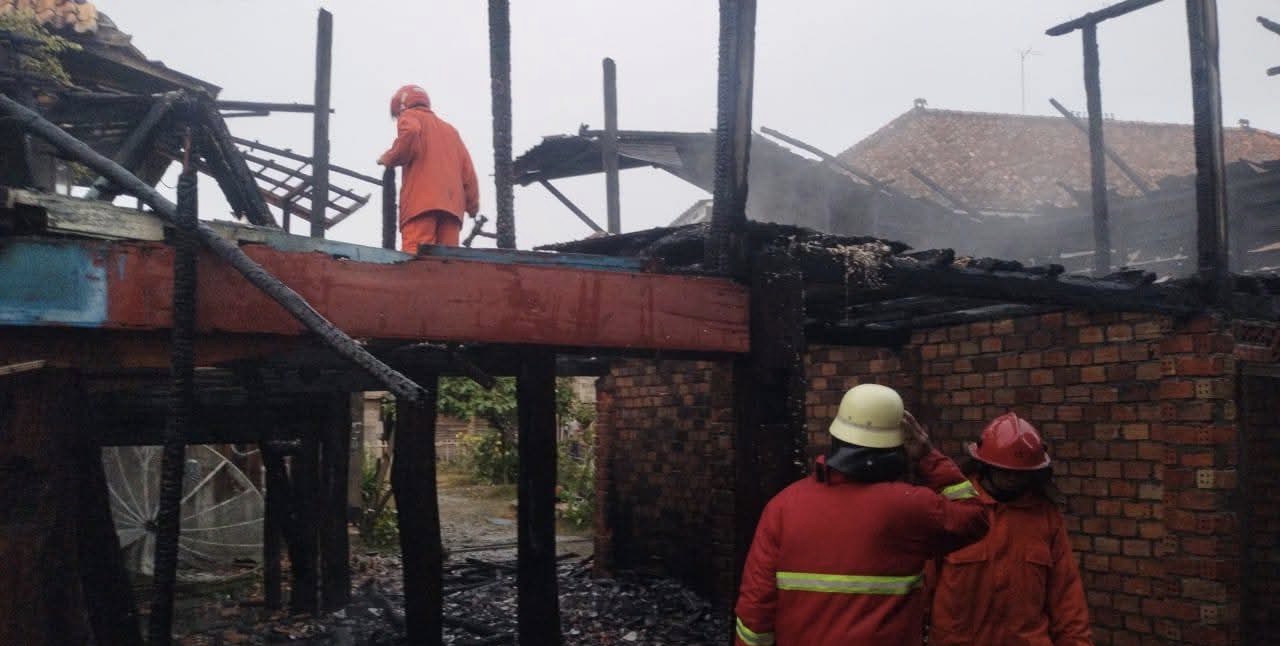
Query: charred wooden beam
column 946, row 195
column 768, row 394
column 1269, row 25
column 289, row 154
column 1097, row 160
column 304, row 549
column 608, row 153
column 390, row 214
column 500, row 86
column 1092, row 18
column 320, row 130
column 959, row 317
column 572, row 207
column 260, row 106
column 246, row 190
column 105, row 580
column 133, row 151
column 726, row 243
column 181, row 405
column 1213, row 260
column 537, row 590
column 413, row 479
column 224, row 249
column 1116, row 159
column 835, row 161
column 335, row 460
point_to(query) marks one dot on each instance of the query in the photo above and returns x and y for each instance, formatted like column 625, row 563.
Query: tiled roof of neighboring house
column 76, row 15
column 1008, row 162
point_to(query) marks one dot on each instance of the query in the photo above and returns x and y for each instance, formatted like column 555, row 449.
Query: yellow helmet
column 870, row 415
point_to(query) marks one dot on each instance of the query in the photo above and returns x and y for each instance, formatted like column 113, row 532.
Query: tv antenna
column 1023, row 55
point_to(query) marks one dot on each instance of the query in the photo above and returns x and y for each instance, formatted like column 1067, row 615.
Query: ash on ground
column 480, row 608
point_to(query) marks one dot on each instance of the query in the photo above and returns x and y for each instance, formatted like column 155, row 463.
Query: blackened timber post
column 538, row 604
column 335, row 459
column 320, row 129
column 134, row 148
column 500, row 86
column 725, row 242
column 272, row 522
column 304, row 553
column 1212, row 246
column 390, row 214
column 769, row 388
column 286, row 213
column 609, row 147
column 181, row 405
column 1097, row 153
column 108, row 593
column 413, row 481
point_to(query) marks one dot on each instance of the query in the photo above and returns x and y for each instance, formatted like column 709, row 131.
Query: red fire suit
column 1018, row 586
column 840, row 563
column 439, row 180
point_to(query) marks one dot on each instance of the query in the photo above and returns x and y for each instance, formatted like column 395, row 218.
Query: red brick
column 1173, row 389
column 991, row 344
column 1080, row 357
column 1120, row 332
column 1092, row 334
column 1093, row 374
column 1106, row 354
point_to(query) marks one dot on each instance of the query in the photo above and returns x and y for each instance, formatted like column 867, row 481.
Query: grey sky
column 828, row 71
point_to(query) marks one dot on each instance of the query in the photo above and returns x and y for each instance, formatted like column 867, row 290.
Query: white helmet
column 870, row 415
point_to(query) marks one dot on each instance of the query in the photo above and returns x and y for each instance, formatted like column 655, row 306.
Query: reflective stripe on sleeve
column 848, row 583
column 753, row 638
column 960, row 491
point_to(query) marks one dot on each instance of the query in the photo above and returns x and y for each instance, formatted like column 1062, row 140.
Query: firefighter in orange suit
column 838, row 558
column 438, row 184
column 1019, row 585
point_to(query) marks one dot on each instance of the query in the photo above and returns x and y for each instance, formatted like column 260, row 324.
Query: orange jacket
column 1019, row 586
column 840, row 563
column 438, row 175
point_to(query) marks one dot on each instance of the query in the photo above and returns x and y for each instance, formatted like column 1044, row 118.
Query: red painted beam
column 439, row 299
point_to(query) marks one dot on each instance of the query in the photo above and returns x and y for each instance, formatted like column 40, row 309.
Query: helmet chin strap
column 1001, row 495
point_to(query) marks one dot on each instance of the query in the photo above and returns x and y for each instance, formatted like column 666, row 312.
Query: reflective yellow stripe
column 848, row 583
column 960, row 491
column 753, row 638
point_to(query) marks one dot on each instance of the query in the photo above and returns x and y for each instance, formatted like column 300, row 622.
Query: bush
column 378, row 525
column 577, row 475
column 490, row 457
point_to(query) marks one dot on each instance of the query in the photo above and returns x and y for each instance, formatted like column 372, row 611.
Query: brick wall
column 1134, row 408
column 664, row 460
column 1139, row 412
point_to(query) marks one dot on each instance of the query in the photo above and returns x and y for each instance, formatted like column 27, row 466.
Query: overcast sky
column 827, row 71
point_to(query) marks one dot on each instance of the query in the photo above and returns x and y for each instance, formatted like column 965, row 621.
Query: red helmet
column 1010, row 442
column 409, row 96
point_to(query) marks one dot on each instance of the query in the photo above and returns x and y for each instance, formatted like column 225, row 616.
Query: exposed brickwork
column 1140, row 413
column 664, row 472
column 1133, row 409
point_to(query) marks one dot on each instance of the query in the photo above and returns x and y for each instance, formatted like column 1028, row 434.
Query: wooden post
column 413, row 480
column 320, row 131
column 1097, row 158
column 1211, row 195
column 286, row 213
column 108, row 592
column 272, row 524
column 42, row 600
column 500, row 84
column 335, row 458
column 390, row 214
column 304, row 551
column 537, row 594
column 769, row 387
column 564, row 199
column 181, row 407
column 724, row 247
column 609, row 147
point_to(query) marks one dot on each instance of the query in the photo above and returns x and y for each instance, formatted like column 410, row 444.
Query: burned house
column 727, row 346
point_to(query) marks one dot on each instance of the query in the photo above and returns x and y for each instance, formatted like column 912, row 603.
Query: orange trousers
column 432, row 227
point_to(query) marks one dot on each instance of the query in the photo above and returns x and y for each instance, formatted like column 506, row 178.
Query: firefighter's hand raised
column 915, row 437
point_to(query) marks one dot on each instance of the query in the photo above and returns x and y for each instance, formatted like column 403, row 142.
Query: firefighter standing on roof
column 438, row 184
column 1019, row 585
column 838, row 558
